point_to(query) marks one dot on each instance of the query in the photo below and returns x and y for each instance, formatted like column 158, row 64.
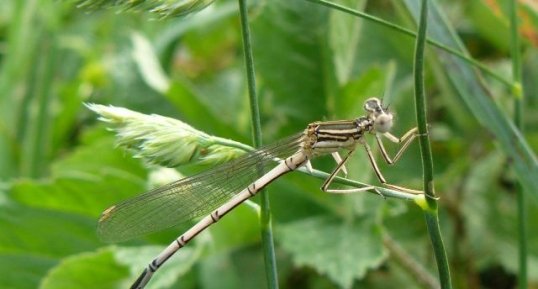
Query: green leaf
column 137, row 259
column 25, row 270
column 342, row 251
column 83, row 183
column 207, row 105
column 288, row 36
column 489, row 22
column 495, row 242
column 220, row 265
column 44, row 232
column 182, row 93
column 357, row 90
column 343, row 39
column 239, row 228
column 87, row 270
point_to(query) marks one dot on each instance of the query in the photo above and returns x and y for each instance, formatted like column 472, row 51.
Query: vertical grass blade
column 430, row 212
column 265, row 214
column 518, row 120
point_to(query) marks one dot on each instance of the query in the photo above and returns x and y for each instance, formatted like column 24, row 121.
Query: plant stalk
column 265, row 208
column 430, row 211
column 518, row 120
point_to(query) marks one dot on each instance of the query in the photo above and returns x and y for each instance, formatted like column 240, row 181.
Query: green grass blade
column 518, row 120
column 265, row 216
column 430, row 212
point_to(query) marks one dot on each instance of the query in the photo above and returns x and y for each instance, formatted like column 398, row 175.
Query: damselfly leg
column 340, row 165
column 405, row 141
column 377, row 171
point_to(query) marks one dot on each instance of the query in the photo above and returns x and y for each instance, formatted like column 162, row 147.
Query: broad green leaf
column 343, row 39
column 339, row 57
column 406, row 226
column 496, row 241
column 288, row 36
column 238, row 228
column 199, row 104
column 84, row 182
column 177, row 28
column 23, row 270
column 491, row 23
column 87, row 270
column 45, row 232
column 342, row 251
column 14, row 74
column 118, row 267
column 474, row 93
column 393, row 275
column 148, row 64
column 184, row 96
column 222, row 266
column 356, row 91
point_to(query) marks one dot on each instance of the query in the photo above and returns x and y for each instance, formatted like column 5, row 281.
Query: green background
column 60, row 168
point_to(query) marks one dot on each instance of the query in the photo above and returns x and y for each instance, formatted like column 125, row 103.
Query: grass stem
column 265, row 214
column 518, row 120
column 431, row 212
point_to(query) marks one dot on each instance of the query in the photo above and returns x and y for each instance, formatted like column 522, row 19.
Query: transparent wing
column 191, row 197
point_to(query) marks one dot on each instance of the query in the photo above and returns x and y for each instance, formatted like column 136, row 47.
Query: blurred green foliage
column 60, row 169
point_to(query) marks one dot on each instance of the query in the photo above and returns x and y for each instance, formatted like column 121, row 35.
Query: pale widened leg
column 308, row 166
column 338, row 160
column 340, row 166
column 380, row 176
column 405, row 141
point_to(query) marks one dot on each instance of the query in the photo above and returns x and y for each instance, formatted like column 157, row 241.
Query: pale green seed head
column 165, row 141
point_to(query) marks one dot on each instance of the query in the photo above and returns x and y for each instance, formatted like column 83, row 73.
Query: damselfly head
column 380, row 115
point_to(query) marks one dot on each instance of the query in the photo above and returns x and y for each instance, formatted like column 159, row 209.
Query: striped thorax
column 330, row 136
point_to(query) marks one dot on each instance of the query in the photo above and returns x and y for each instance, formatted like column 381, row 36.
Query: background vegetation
column 60, row 169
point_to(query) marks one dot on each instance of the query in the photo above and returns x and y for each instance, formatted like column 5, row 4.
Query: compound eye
column 372, row 105
column 383, row 123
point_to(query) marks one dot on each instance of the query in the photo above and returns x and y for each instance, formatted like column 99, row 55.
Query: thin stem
column 430, row 211
column 408, row 32
column 420, row 106
column 37, row 121
column 265, row 216
column 518, row 120
column 432, row 222
column 417, row 271
column 385, row 192
column 522, row 237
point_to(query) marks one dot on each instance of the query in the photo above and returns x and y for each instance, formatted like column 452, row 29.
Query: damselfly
column 216, row 192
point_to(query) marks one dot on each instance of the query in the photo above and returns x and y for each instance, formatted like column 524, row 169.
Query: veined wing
column 190, row 197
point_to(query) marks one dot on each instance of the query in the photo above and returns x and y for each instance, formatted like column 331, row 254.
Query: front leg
column 405, row 141
column 380, row 176
column 340, row 166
